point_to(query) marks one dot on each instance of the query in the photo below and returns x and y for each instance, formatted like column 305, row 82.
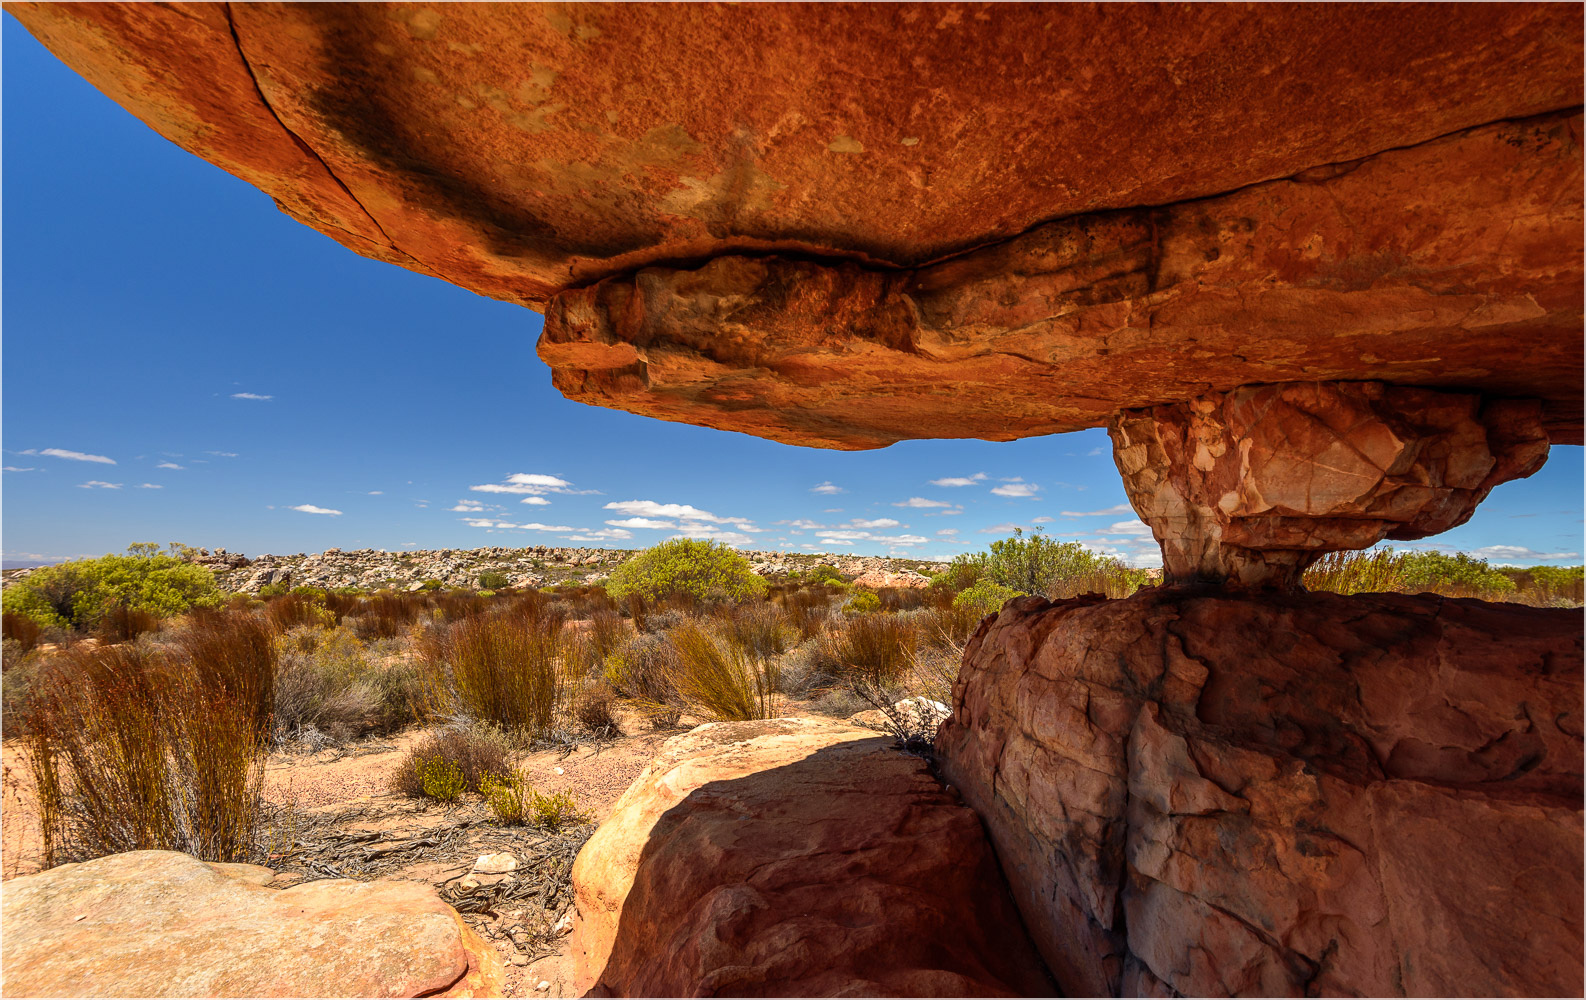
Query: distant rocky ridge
column 534, row 566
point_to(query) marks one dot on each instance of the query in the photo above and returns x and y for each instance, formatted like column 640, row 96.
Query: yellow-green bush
column 702, row 570
column 78, row 594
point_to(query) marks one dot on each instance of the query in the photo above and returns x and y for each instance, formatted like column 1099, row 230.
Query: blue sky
column 182, row 362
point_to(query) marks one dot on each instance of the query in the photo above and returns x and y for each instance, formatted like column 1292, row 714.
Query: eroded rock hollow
column 1252, row 486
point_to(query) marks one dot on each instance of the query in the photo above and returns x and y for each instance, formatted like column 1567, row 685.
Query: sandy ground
column 347, row 790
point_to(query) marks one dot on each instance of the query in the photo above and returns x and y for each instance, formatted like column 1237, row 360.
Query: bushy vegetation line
column 148, row 701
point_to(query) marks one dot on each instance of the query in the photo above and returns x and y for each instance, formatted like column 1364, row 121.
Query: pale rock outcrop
column 1283, row 794
column 794, row 857
column 881, row 579
column 1251, row 486
column 163, row 924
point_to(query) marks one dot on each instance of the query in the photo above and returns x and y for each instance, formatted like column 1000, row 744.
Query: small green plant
column 824, row 574
column 985, row 597
column 515, row 803
column 439, row 778
column 475, row 752
column 862, row 603
column 702, row 570
column 431, row 585
column 492, row 580
column 554, row 811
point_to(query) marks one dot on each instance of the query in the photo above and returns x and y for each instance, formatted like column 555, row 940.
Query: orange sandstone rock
column 1283, row 794
column 794, row 857
column 163, row 924
column 845, row 226
column 1252, row 486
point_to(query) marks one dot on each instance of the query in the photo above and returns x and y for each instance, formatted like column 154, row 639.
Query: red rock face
column 794, row 857
column 742, row 216
column 1407, row 267
column 1285, row 794
column 1252, row 486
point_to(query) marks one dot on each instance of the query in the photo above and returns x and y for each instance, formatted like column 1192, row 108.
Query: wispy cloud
column 535, row 501
column 12, row 468
column 880, row 522
column 169, row 465
column 923, row 503
column 1122, row 508
column 1016, row 489
column 222, row 454
column 250, row 395
column 643, row 522
column 1006, row 528
column 679, row 511
column 947, row 532
column 98, row 484
column 467, row 507
column 902, row 541
column 149, row 486
column 532, row 484
column 1135, row 527
column 1043, row 519
column 309, row 508
column 375, row 493
column 602, row 535
column 827, row 488
column 75, row 456
column 959, row 480
column 1497, row 553
column 712, row 532
column 1095, row 451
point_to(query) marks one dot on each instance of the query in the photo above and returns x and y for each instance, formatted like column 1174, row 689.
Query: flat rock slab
column 794, row 857
column 163, row 924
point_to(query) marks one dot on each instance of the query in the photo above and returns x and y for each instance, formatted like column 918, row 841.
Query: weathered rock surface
column 1253, row 485
column 743, row 216
column 162, row 924
column 1407, row 267
column 794, row 857
column 1283, row 794
column 881, row 579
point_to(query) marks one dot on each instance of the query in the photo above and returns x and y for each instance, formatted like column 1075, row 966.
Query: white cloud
column 880, row 522
column 531, row 483
column 222, row 454
column 802, row 522
column 309, row 508
column 376, row 493
column 149, row 486
column 1043, row 519
column 1511, row 552
column 537, row 526
column 681, row 511
column 1006, row 528
column 643, row 522
column 711, row 532
column 1016, row 489
column 168, row 465
column 536, row 501
column 1122, row 508
column 959, row 480
column 75, row 456
column 922, row 502
column 12, row 468
column 947, row 531
column 827, row 488
column 1095, row 451
column 97, row 484
column 602, row 535
column 249, row 395
column 1135, row 527
column 467, row 507
column 865, row 536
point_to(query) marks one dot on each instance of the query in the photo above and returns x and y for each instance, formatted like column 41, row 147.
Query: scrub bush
column 701, row 570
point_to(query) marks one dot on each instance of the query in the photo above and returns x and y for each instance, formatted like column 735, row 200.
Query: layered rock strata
column 163, row 924
column 1406, row 267
column 794, row 857
column 1252, row 486
column 1283, row 794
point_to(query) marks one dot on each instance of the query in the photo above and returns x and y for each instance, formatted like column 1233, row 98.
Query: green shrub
column 824, row 574
column 986, row 597
column 472, row 754
column 862, row 603
column 701, row 570
column 503, row 669
column 77, row 595
column 1041, row 565
column 492, row 580
column 431, row 585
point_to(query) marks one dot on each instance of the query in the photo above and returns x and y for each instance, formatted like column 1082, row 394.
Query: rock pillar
column 1251, row 486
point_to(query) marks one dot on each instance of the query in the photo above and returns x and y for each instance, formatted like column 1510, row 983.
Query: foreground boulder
column 794, row 857
column 1283, row 793
column 163, row 924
